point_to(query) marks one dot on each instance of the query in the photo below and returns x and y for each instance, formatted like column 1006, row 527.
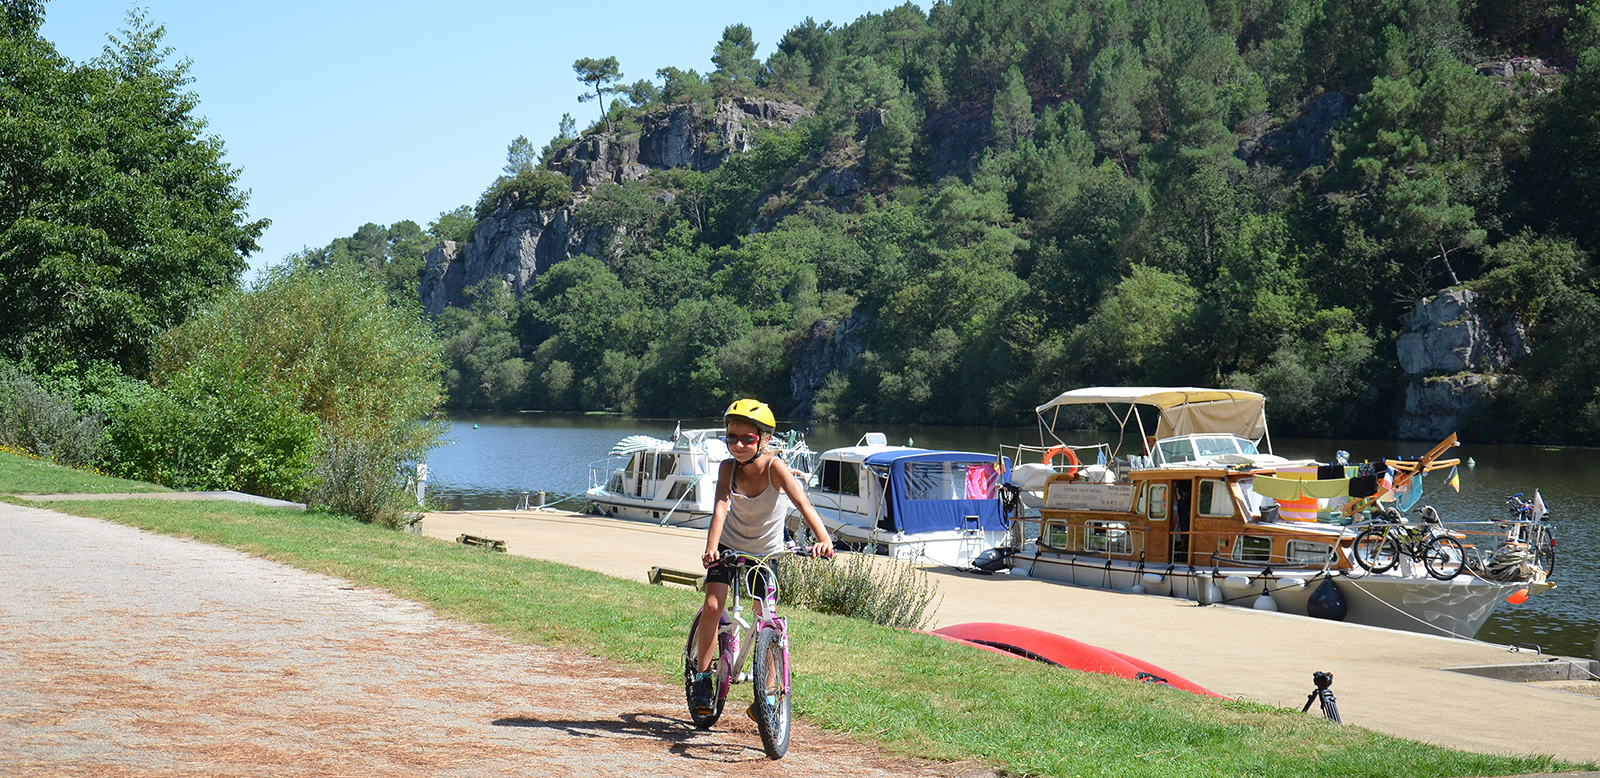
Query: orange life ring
column 1072, row 472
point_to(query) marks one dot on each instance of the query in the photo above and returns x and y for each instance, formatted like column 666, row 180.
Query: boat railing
column 607, row 473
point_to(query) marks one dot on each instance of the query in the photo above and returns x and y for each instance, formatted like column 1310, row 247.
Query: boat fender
column 1292, row 584
column 1205, row 592
column 1237, row 583
column 991, row 561
column 1265, row 603
column 1153, row 578
column 1326, row 602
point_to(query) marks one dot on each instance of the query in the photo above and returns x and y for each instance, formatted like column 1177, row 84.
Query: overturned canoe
column 1064, row 651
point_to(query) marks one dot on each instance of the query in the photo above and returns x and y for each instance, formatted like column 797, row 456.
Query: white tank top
column 755, row 524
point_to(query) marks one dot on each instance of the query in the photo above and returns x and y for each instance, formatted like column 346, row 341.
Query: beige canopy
column 1184, row 410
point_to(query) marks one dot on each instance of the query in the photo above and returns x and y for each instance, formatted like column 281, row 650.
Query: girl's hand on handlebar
column 709, row 558
column 822, row 550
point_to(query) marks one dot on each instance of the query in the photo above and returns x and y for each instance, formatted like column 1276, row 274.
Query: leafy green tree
column 598, row 74
column 118, row 214
column 735, row 57
column 1011, row 118
column 454, row 225
column 520, row 156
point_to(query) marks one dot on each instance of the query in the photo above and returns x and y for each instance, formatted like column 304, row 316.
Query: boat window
column 1247, row 446
column 1158, row 501
column 950, row 480
column 1058, row 535
column 1108, row 537
column 666, row 464
column 840, row 477
column 1214, row 498
column 1307, row 552
column 681, row 488
column 1252, row 501
column 1180, row 450
column 1210, row 447
column 1253, row 549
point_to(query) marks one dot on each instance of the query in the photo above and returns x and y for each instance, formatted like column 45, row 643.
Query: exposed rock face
column 831, row 346
column 518, row 243
column 959, row 139
column 676, row 138
column 1454, row 349
column 1301, row 143
column 514, row 245
column 1453, row 332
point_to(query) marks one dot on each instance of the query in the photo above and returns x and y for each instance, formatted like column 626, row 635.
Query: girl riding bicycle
column 748, row 517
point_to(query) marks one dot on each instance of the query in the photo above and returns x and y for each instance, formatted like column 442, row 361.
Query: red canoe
column 1064, row 651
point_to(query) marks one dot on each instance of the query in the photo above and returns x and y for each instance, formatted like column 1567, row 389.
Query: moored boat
column 674, row 481
column 1187, row 515
column 939, row 507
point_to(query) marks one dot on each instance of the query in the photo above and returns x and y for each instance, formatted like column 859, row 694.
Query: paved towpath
column 1386, row 680
column 125, row 653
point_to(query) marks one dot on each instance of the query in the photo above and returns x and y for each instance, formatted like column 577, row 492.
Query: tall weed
column 891, row 592
column 45, row 423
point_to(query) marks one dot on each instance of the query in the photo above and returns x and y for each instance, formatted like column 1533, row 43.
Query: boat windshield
column 1192, row 448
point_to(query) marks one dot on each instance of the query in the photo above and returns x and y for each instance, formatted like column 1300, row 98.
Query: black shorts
column 723, row 574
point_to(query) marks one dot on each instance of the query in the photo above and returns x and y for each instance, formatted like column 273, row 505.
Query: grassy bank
column 915, row 694
column 24, row 474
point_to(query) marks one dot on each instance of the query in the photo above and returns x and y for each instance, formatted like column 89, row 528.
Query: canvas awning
column 1184, row 410
column 930, row 491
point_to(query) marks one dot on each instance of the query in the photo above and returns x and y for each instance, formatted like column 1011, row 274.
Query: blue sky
column 342, row 113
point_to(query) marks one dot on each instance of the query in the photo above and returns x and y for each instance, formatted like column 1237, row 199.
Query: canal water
column 492, row 460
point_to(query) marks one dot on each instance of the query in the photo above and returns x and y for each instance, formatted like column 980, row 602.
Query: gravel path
column 124, row 653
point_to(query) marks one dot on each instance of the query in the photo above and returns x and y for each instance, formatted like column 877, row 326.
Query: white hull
column 1404, row 599
column 633, row 509
column 953, row 548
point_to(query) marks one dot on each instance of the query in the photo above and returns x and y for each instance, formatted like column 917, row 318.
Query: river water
column 493, row 459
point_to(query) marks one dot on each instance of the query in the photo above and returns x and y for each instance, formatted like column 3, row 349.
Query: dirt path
column 124, row 653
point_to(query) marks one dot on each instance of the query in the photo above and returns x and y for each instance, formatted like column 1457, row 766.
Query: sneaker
column 700, row 703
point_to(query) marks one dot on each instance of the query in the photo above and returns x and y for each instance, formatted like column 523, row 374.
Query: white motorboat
column 938, row 507
column 674, row 481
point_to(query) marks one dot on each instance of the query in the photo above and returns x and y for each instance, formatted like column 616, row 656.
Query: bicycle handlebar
column 730, row 556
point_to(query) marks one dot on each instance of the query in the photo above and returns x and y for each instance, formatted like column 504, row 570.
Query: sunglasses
column 747, row 439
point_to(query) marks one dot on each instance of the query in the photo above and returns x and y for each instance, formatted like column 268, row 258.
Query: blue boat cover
column 931, row 491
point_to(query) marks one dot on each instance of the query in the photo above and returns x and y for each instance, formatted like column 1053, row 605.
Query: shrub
column 533, row 187
column 45, row 423
column 885, row 591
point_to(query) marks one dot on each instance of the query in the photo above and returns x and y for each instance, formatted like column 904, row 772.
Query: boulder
column 514, row 245
column 1301, row 143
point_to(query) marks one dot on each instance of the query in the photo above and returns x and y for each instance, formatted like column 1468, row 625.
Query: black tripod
column 1324, row 696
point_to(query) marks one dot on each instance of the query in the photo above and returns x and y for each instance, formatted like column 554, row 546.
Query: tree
column 118, row 214
column 735, row 56
column 1011, row 120
column 520, row 156
column 598, row 74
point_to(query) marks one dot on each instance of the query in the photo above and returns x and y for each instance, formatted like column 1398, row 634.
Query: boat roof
column 1185, row 410
column 885, row 458
column 859, row 454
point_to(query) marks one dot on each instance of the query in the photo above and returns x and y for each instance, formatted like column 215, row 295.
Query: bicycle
column 766, row 642
column 1378, row 548
column 1531, row 533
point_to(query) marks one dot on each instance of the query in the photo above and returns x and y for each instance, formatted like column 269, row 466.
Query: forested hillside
column 951, row 216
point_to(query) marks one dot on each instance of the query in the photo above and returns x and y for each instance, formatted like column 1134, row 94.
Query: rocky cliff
column 518, row 242
column 1453, row 350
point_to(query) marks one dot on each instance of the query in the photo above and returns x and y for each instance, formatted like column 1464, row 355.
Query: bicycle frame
column 741, row 630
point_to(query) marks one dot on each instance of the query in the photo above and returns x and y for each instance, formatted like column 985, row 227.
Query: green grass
column 26, row 475
column 912, row 693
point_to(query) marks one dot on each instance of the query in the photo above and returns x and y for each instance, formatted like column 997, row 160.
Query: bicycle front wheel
column 1444, row 557
column 1376, row 551
column 770, row 677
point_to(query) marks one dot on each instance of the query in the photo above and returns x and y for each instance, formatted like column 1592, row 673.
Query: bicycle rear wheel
column 722, row 666
column 1545, row 551
column 1444, row 557
column 1375, row 550
column 770, row 677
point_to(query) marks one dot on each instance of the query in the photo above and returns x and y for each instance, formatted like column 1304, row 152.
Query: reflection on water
column 491, row 465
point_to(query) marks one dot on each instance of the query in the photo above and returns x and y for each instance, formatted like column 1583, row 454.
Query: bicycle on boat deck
column 1378, row 548
column 766, row 641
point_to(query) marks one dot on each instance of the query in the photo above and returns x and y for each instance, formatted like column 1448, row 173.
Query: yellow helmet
column 753, row 411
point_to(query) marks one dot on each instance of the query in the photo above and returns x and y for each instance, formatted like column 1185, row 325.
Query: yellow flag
column 1455, row 480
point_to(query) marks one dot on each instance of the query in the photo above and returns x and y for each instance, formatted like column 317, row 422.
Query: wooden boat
column 1182, row 516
